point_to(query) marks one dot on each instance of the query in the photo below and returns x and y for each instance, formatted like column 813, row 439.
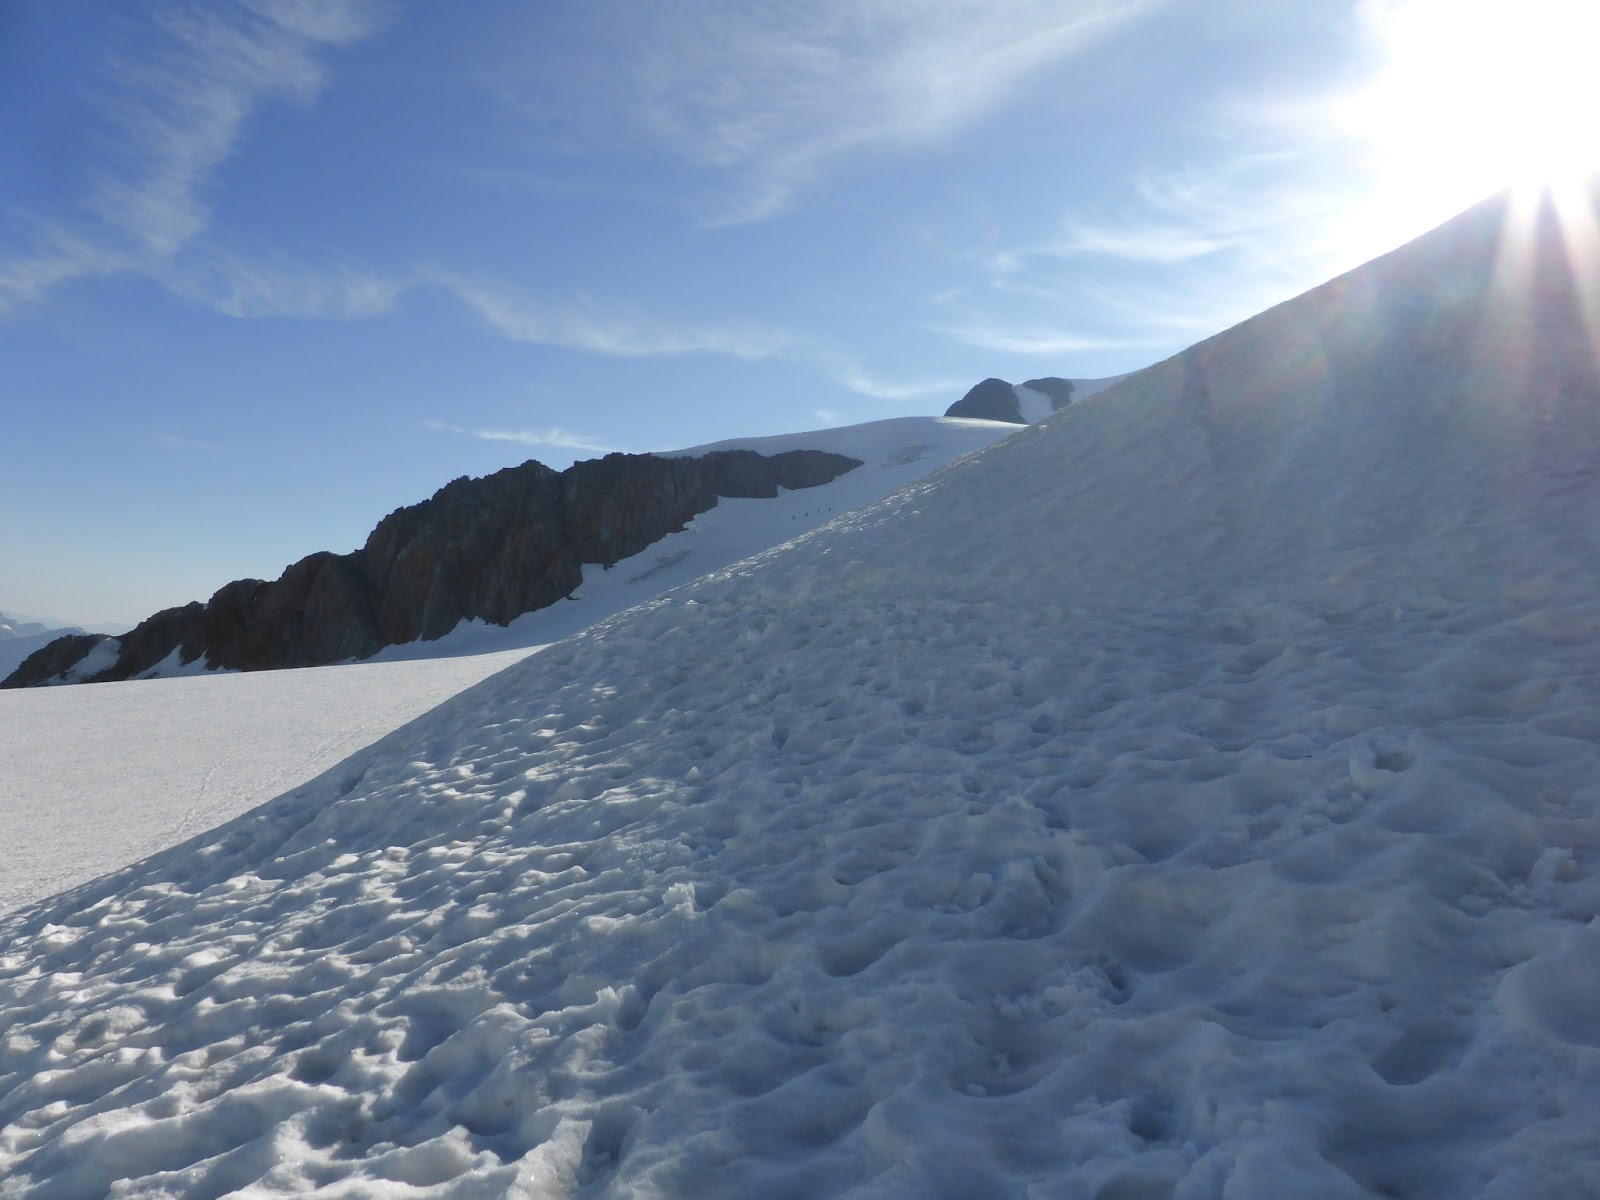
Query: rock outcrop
column 56, row 658
column 1057, row 390
column 991, row 400
column 491, row 548
column 997, row 400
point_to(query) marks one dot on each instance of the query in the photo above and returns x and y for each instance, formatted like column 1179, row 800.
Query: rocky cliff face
column 991, row 400
column 1059, row 391
column 491, row 548
column 58, row 657
column 996, row 400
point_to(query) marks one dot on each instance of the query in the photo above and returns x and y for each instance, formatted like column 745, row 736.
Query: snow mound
column 1222, row 823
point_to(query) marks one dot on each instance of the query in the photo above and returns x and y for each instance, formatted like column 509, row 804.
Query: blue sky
column 271, row 269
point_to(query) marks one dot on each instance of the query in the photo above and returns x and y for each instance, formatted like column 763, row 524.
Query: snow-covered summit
column 1223, row 822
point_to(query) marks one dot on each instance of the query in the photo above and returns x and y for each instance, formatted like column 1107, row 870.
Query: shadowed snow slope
column 1222, row 822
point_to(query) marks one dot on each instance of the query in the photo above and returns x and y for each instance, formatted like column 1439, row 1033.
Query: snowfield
column 95, row 776
column 1194, row 795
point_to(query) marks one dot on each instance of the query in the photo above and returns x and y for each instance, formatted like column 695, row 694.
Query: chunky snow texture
column 1222, row 822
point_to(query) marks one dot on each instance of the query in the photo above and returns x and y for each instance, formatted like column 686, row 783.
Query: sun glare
column 1477, row 95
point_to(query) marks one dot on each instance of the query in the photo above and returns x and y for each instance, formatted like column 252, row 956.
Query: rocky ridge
column 490, row 548
column 997, row 400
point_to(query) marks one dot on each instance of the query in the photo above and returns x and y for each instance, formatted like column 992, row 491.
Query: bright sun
column 1479, row 94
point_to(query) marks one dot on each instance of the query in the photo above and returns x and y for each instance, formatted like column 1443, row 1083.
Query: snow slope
column 1223, row 822
column 1035, row 406
column 92, row 779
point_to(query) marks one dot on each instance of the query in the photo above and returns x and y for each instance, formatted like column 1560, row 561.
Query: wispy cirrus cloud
column 175, row 103
column 1020, row 340
column 590, row 327
column 585, row 325
column 1164, row 245
column 556, row 438
column 879, row 387
column 1189, row 252
column 773, row 97
column 57, row 256
column 1170, row 219
column 266, row 286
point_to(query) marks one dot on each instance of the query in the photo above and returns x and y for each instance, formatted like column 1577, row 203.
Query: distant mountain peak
column 19, row 627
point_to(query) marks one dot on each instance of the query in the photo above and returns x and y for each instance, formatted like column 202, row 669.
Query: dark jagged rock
column 991, row 400
column 318, row 611
column 153, row 640
column 491, row 548
column 54, row 659
column 1059, row 390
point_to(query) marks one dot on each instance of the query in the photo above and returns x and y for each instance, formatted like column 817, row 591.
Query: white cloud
column 774, row 96
column 1139, row 243
column 178, row 110
column 243, row 287
column 556, row 438
column 1171, row 218
column 583, row 325
column 335, row 22
column 877, row 387
column 58, row 256
column 591, row 328
column 1189, row 253
column 1040, row 341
